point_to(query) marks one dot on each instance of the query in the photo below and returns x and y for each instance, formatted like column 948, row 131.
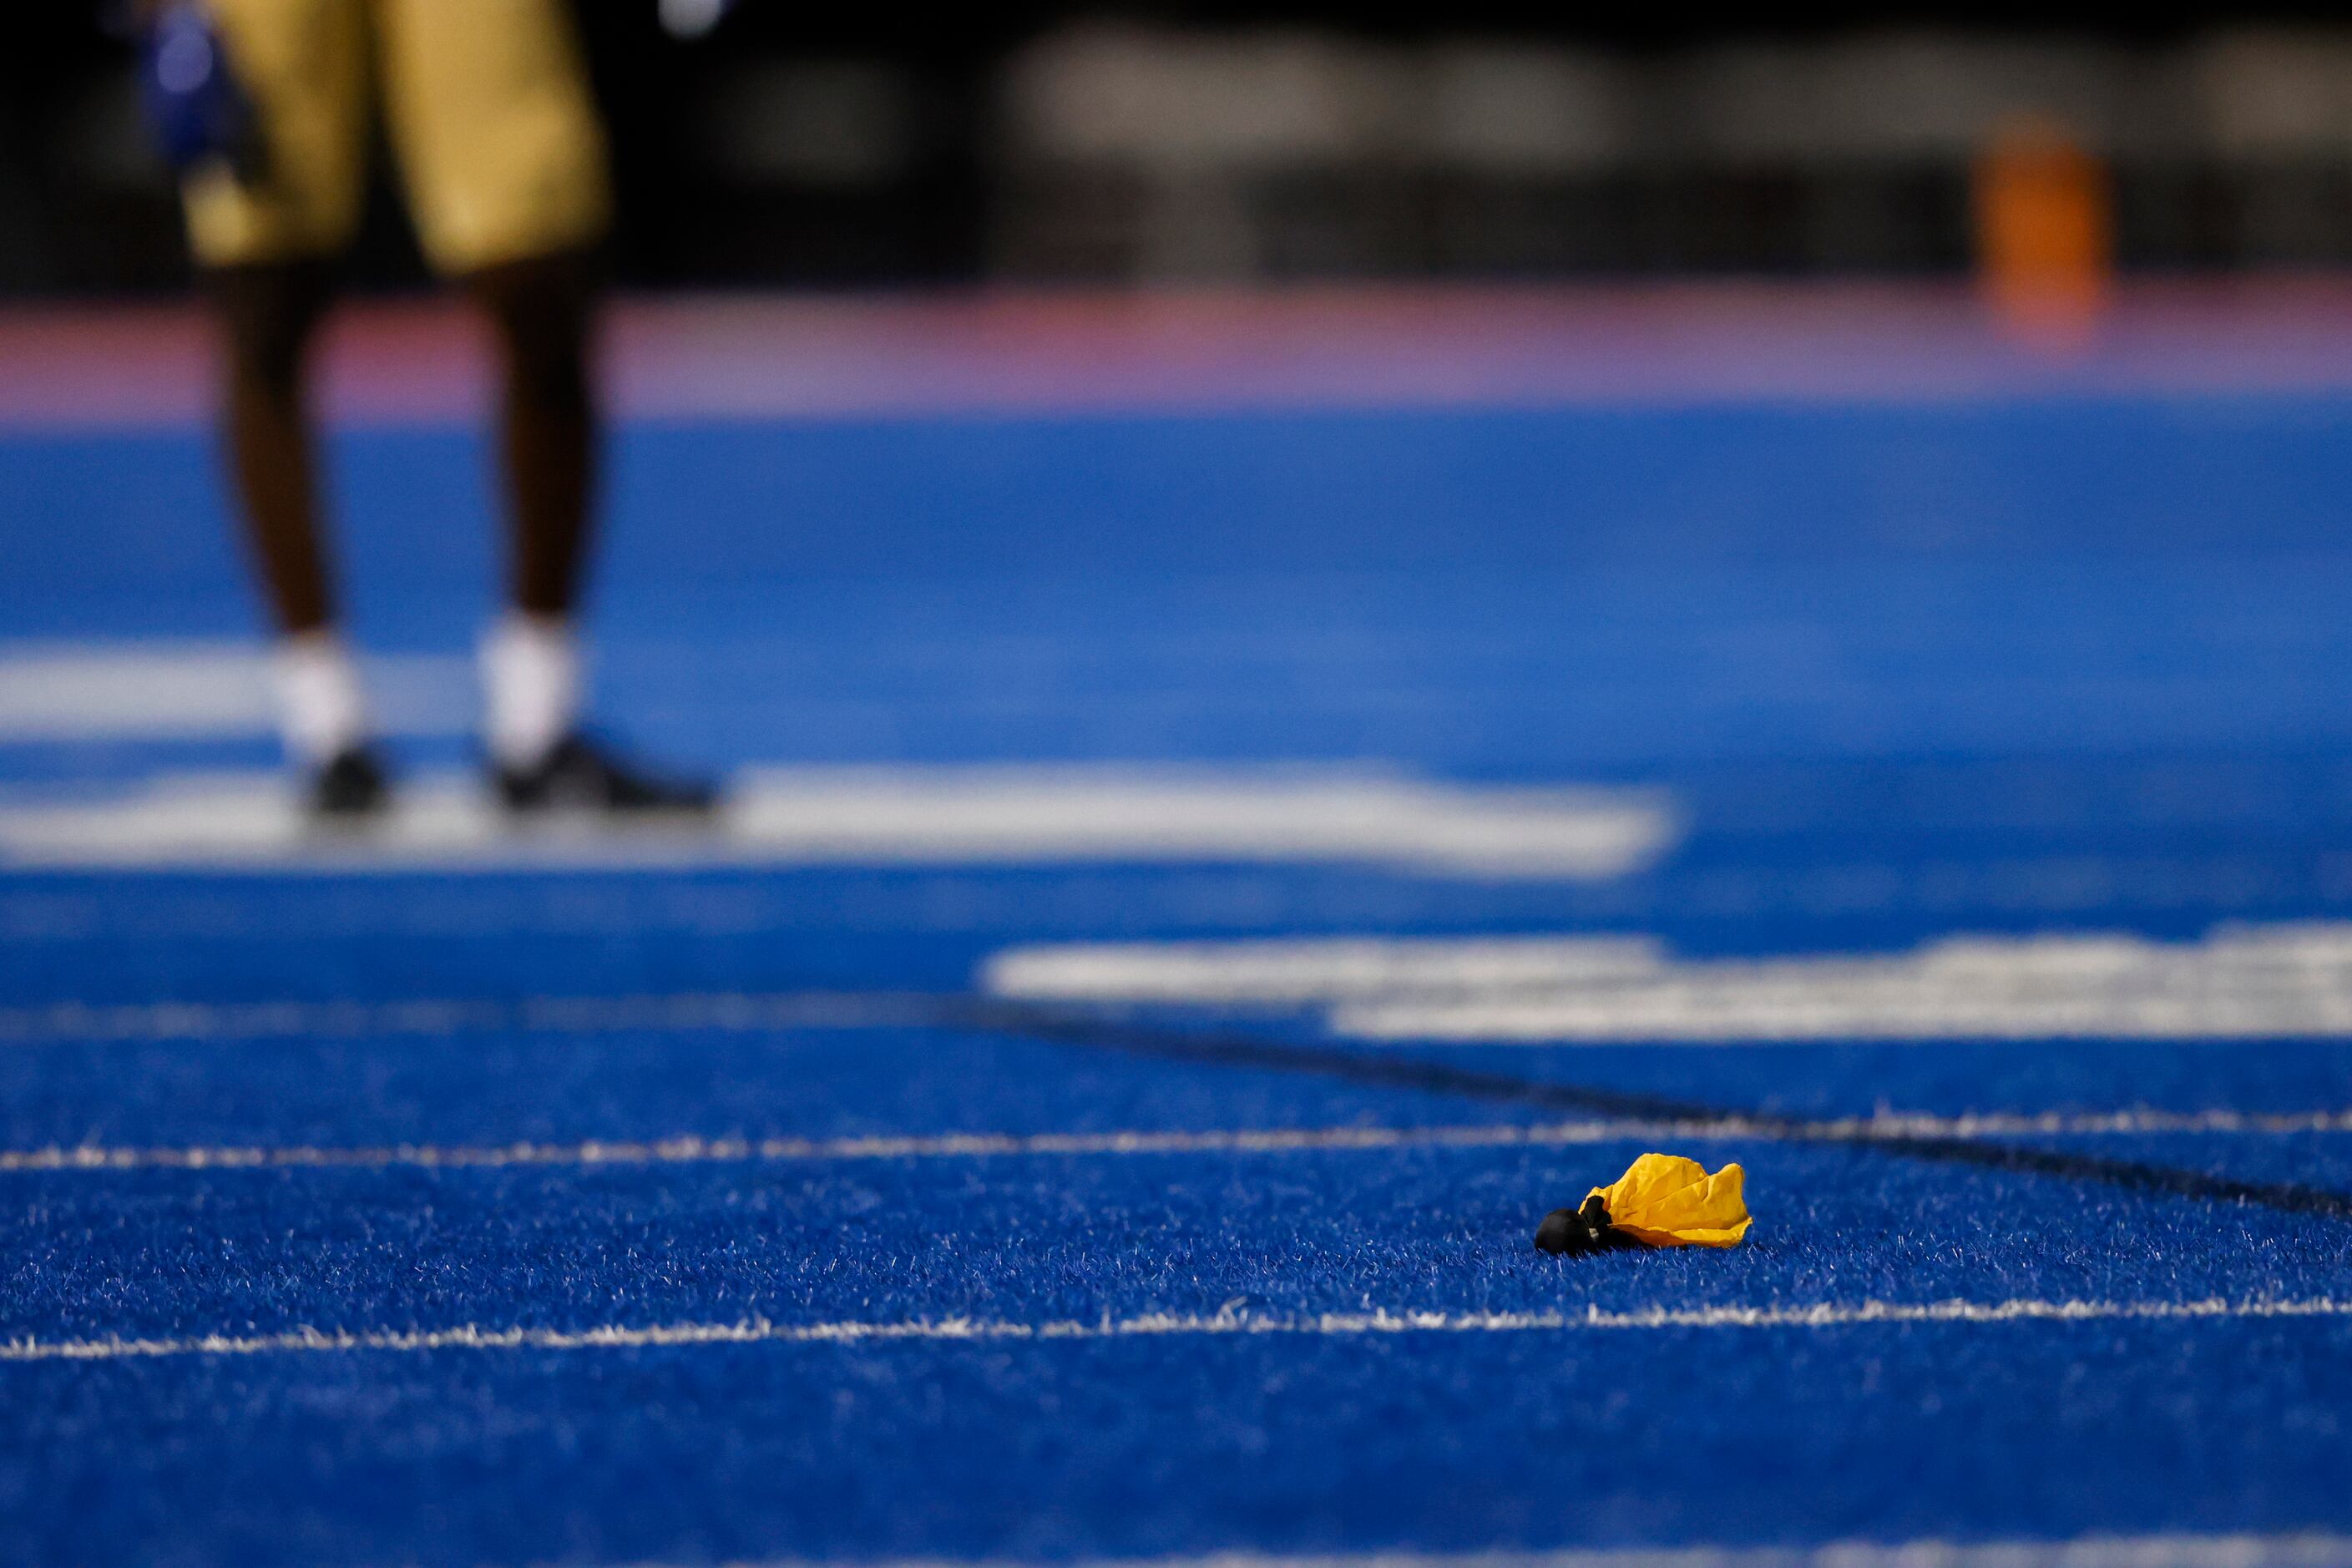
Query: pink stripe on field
column 785, row 356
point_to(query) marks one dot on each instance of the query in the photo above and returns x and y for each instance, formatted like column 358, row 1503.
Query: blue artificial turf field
column 373, row 1252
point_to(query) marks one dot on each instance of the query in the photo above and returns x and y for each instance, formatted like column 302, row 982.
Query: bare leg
column 543, row 311
column 272, row 313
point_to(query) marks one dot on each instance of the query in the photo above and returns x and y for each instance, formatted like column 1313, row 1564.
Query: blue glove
column 199, row 111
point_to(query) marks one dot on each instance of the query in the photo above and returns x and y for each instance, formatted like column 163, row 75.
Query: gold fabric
column 488, row 107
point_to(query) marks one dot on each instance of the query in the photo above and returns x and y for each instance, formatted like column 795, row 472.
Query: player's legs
column 540, row 311
column 270, row 312
column 504, row 161
column 543, row 311
column 262, row 244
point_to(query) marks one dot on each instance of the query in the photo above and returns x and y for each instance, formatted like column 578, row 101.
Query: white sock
column 320, row 710
column 531, row 688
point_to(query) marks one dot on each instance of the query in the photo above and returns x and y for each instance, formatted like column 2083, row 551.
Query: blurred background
column 1431, row 387
column 768, row 144
column 1833, row 504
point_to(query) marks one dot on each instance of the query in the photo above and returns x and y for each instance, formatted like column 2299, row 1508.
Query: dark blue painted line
column 1237, row 1050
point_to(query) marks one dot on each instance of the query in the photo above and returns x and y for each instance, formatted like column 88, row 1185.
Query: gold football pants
column 488, row 111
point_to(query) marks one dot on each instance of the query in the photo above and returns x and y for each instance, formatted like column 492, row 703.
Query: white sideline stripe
column 722, row 1010
column 2308, row 1549
column 1005, row 816
column 184, row 690
column 692, row 1151
column 2239, row 982
column 760, row 1331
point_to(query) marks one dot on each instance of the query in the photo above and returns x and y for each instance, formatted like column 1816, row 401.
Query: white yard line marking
column 694, row 1151
column 1005, row 815
column 760, row 1331
column 2238, row 983
column 1291, row 971
column 200, row 690
column 2307, row 1549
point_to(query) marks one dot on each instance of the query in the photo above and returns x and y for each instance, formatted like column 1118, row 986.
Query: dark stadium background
column 848, row 146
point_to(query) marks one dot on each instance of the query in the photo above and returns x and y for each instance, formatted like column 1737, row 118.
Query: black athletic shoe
column 578, row 776
column 352, row 788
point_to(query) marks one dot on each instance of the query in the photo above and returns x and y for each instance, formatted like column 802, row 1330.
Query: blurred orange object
column 2045, row 235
